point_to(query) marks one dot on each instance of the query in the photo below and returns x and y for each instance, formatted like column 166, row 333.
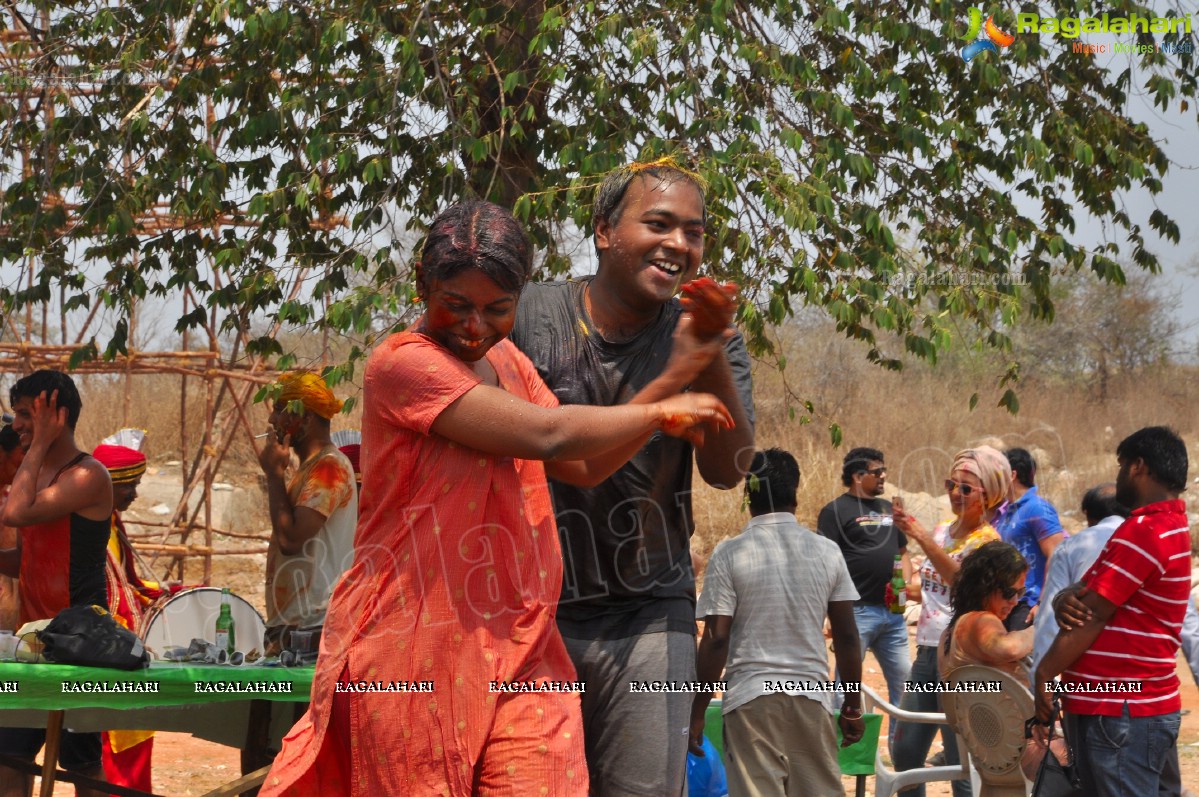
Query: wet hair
column 987, row 569
column 609, row 197
column 772, row 483
column 47, row 382
column 1162, row 451
column 9, row 439
column 1023, row 465
column 481, row 235
column 1100, row 502
column 855, row 462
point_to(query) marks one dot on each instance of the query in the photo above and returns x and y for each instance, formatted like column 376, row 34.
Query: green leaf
column 834, row 432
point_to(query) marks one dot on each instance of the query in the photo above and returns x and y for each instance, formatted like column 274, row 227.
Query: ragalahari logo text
column 994, row 40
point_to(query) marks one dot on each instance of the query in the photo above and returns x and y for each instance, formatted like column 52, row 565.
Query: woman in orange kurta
column 457, row 564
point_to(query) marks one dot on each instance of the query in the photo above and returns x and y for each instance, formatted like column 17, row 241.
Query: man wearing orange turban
column 126, row 754
column 314, row 514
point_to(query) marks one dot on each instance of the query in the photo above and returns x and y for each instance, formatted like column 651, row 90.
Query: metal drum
column 192, row 613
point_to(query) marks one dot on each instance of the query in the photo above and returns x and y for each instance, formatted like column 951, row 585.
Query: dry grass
column 920, row 417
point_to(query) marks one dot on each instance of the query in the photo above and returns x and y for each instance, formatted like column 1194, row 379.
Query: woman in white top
column 978, row 483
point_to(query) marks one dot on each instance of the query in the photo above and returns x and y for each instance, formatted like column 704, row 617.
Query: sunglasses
column 965, row 489
column 1011, row 592
column 876, row 472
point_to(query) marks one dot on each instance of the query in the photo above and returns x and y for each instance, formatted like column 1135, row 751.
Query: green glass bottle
column 225, row 639
column 900, row 602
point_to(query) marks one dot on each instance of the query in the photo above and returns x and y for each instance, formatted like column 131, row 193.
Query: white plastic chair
column 887, row 782
column 991, row 724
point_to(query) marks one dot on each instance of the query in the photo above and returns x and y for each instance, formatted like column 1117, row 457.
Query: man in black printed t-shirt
column 860, row 523
column 628, row 595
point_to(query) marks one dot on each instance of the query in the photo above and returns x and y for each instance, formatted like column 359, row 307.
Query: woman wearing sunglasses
column 987, row 588
column 978, row 482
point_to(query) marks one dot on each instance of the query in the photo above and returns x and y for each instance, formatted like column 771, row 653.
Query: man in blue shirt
column 1031, row 525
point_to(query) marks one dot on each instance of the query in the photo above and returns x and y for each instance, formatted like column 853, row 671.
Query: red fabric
column 456, row 578
column 128, row 595
column 353, row 452
column 1145, row 569
column 114, row 457
column 45, row 578
column 129, row 767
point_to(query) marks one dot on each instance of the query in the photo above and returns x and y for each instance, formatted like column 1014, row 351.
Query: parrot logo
column 994, row 40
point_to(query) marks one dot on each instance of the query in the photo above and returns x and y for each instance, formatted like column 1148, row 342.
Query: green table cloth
column 61, row 686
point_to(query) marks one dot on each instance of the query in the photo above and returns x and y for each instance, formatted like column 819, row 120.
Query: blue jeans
column 886, row 634
column 913, row 739
column 1126, row 756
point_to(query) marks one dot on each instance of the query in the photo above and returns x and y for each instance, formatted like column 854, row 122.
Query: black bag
column 1055, row 779
column 89, row 637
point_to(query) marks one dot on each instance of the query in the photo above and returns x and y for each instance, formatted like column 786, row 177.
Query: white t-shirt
column 935, row 611
column 298, row 586
column 775, row 580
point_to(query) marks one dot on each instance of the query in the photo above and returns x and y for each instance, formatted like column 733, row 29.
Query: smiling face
column 1002, row 601
column 656, row 243
column 468, row 313
column 22, row 424
column 966, row 506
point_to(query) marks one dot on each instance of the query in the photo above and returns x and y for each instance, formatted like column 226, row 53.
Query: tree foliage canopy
column 854, row 160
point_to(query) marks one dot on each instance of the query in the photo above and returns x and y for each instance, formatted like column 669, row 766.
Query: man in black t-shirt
column 860, row 523
column 628, row 596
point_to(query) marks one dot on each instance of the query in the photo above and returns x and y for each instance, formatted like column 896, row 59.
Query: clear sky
column 1178, row 134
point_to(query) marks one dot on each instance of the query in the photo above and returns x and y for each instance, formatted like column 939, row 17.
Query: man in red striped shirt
column 1120, row 632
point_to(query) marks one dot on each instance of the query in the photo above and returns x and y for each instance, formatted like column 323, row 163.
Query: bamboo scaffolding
column 260, row 537
column 229, row 379
column 194, row 550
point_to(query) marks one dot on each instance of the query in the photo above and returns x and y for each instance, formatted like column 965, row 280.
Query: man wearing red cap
column 127, row 754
